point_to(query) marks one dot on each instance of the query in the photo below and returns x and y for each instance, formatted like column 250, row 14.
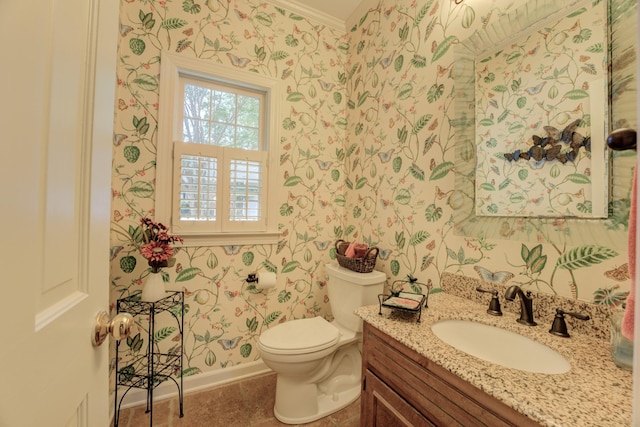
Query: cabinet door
column 382, row 407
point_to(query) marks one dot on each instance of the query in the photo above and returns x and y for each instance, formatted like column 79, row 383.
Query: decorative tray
column 405, row 301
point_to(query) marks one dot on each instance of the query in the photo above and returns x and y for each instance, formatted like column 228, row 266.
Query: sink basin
column 499, row 346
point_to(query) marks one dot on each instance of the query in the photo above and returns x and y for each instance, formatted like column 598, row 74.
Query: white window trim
column 172, row 67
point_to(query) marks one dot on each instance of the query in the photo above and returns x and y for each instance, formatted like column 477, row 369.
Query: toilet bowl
column 318, row 363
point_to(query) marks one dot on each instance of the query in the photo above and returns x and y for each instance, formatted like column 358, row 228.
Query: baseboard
column 137, row 397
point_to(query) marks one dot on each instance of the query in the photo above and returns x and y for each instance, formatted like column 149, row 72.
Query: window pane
column 223, row 135
column 198, row 183
column 221, row 116
column 245, row 191
column 224, row 107
column 197, row 102
column 248, row 111
column 247, row 138
column 195, row 130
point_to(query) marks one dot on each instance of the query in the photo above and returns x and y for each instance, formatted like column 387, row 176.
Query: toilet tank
column 349, row 290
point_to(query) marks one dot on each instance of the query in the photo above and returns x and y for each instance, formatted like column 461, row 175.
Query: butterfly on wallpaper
column 440, row 194
column 385, row 156
column 327, row 87
column 535, row 89
column 230, row 295
column 497, row 277
column 619, row 273
column 229, row 344
column 232, row 249
column 117, row 216
column 385, row 62
column 125, row 29
column 118, row 138
column 442, row 70
column 384, row 254
column 238, row 62
column 506, row 230
column 321, row 245
column 238, row 312
column 324, row 165
column 122, row 105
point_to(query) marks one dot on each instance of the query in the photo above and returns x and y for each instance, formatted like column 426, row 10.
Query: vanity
column 412, row 378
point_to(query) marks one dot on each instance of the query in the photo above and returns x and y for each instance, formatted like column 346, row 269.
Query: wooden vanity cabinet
column 403, row 388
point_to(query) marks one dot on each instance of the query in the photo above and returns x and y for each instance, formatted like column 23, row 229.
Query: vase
column 153, row 288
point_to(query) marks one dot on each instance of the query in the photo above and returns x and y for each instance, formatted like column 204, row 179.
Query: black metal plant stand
column 154, row 367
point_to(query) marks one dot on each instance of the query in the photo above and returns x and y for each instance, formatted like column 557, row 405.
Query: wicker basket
column 359, row 265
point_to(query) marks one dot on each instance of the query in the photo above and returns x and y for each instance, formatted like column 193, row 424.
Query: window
column 216, row 144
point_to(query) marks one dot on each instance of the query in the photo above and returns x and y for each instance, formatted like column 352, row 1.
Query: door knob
column 119, row 327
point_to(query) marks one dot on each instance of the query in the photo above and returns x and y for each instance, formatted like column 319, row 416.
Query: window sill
column 230, row 239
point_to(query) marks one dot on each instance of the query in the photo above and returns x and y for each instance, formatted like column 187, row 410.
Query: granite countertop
column 595, row 392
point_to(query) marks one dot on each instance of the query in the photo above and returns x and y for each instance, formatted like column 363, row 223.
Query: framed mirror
column 533, row 105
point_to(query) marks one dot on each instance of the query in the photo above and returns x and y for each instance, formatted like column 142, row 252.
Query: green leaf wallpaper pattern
column 367, row 153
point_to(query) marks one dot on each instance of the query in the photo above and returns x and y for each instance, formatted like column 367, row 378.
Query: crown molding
column 311, row 13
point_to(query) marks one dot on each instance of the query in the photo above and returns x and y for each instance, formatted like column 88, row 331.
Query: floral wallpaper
column 367, row 154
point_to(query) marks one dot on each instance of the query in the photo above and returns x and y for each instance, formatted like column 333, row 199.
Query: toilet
column 319, row 363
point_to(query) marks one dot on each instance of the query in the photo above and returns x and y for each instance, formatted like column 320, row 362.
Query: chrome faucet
column 526, row 304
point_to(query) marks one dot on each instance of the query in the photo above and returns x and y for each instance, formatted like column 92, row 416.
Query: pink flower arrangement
column 156, row 244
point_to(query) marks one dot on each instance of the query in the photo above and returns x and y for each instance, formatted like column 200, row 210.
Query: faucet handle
column 559, row 326
column 494, row 304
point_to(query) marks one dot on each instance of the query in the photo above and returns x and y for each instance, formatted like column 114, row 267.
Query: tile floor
column 247, row 403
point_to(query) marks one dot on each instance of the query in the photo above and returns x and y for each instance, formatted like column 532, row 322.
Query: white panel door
column 57, row 85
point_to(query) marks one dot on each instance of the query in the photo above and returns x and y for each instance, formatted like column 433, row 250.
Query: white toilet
column 319, row 364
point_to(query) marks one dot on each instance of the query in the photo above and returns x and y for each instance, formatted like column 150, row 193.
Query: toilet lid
column 300, row 336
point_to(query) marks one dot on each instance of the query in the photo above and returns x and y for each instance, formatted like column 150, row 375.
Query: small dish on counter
column 406, row 301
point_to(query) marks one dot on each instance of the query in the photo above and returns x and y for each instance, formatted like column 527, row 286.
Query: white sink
column 499, row 346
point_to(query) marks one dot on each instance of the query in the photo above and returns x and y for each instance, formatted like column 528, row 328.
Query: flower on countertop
column 154, row 243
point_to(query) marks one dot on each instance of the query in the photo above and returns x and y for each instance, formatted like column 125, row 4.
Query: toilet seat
column 300, row 336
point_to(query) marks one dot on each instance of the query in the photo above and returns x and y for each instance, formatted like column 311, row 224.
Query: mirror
column 510, row 102
column 542, row 119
